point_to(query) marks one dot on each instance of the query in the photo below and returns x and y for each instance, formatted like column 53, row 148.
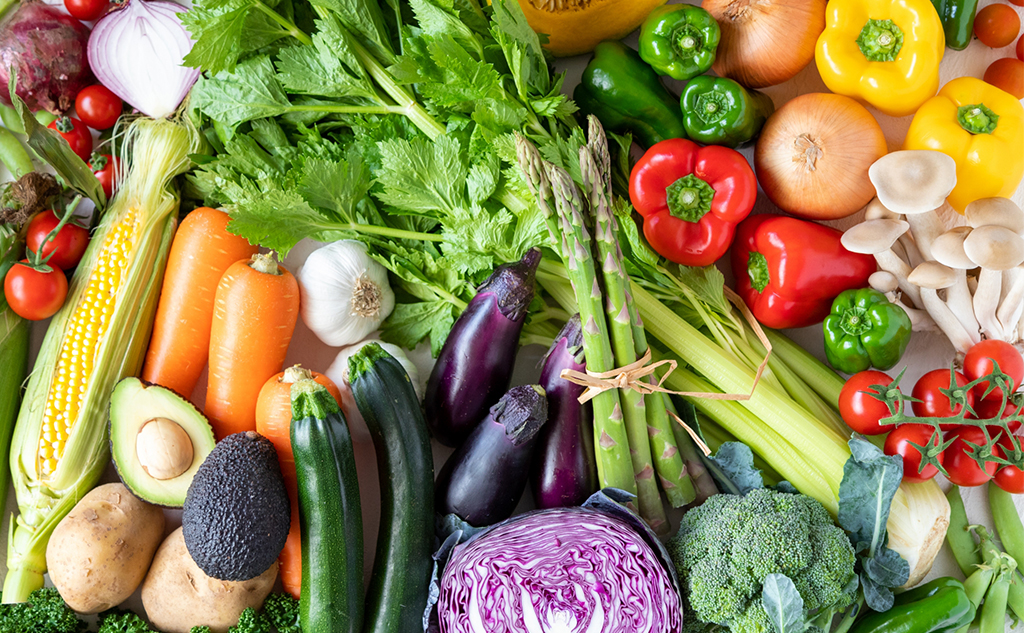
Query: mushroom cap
column 995, row 247
column 948, row 248
column 873, row 236
column 995, row 212
column 875, row 210
column 932, row 275
column 913, row 180
column 883, row 281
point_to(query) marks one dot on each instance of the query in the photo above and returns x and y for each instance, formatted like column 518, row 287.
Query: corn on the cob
column 60, row 441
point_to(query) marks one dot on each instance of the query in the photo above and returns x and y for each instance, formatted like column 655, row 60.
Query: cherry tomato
column 996, row 25
column 1020, row 46
column 86, row 10
column 978, row 362
column 107, row 168
column 987, row 409
column 1007, row 74
column 76, row 134
column 1010, row 479
column 69, row 243
column 934, row 403
column 860, row 411
column 33, row 294
column 962, row 469
column 98, row 107
column 900, row 441
column 1019, row 3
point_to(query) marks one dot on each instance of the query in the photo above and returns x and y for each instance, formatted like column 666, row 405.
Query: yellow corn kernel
column 86, row 329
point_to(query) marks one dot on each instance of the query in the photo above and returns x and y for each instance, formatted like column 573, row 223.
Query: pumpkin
column 577, row 26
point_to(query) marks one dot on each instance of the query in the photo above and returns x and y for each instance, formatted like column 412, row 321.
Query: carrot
column 273, row 421
column 202, row 250
column 254, row 316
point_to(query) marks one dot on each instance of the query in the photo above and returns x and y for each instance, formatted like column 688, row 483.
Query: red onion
column 47, row 49
column 137, row 53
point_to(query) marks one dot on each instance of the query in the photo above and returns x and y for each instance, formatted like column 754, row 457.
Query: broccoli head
column 726, row 548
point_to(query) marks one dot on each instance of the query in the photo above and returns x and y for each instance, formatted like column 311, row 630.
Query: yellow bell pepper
column 883, row 52
column 981, row 128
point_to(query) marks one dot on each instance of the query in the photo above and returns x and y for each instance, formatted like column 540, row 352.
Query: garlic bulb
column 345, row 294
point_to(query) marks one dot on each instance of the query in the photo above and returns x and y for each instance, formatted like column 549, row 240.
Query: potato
column 100, row 552
column 177, row 595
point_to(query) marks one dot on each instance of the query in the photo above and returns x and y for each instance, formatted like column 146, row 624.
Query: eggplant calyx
column 523, row 410
column 512, row 285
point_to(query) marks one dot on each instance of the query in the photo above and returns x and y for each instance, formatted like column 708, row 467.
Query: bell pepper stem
column 880, row 40
column 689, row 198
column 977, row 118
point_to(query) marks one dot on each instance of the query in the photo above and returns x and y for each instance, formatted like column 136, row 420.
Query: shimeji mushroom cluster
column 967, row 281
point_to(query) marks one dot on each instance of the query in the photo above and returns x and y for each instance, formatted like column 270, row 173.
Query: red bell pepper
column 788, row 271
column 691, row 198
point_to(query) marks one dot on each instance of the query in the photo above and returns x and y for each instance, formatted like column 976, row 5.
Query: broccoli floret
column 251, row 622
column 726, row 547
column 120, row 621
column 200, row 629
column 45, row 612
column 282, row 612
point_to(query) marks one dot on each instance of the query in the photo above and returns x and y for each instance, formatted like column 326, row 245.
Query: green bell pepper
column 865, row 330
column 719, row 111
column 621, row 90
column 679, row 40
column 944, row 611
column 957, row 21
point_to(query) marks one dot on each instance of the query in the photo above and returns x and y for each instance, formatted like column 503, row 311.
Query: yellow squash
column 577, row 26
column 883, row 52
column 982, row 129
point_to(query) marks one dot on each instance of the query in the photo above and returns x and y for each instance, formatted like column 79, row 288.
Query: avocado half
column 158, row 441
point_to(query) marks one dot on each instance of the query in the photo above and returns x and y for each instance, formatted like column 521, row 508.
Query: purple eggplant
column 484, row 479
column 474, row 367
column 564, row 469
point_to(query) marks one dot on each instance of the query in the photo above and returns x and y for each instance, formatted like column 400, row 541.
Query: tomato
column 33, row 294
column 962, row 469
column 978, row 362
column 86, row 10
column 1007, row 74
column 1020, row 46
column 860, row 411
column 69, row 243
column 900, row 441
column 76, row 134
column 996, row 25
column 107, row 168
column 988, row 408
column 1019, row 3
column 1010, row 479
column 98, row 107
column 934, row 403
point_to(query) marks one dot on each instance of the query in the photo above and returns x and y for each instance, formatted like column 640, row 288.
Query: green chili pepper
column 719, row 111
column 946, row 610
column 957, row 21
column 865, row 330
column 626, row 94
column 926, row 590
column 679, row 40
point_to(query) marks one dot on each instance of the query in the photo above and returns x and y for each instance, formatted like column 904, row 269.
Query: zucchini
column 330, row 520
column 397, row 596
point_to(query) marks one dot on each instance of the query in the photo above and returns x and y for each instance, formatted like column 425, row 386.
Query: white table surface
column 926, row 351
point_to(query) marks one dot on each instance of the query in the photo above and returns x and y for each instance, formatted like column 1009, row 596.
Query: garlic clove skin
column 345, row 294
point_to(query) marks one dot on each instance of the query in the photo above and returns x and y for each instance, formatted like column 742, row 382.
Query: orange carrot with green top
column 202, row 250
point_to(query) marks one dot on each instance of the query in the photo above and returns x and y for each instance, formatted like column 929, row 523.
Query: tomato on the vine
column 107, row 168
column 86, row 10
column 34, row 294
column 1007, row 74
column 935, row 404
column 978, row 362
column 962, row 469
column 76, row 134
column 69, row 243
column 901, row 442
column 859, row 409
column 996, row 25
column 1020, row 47
column 98, row 107
column 1010, row 479
column 987, row 409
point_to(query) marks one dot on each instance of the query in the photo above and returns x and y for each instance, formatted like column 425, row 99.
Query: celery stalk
column 818, row 376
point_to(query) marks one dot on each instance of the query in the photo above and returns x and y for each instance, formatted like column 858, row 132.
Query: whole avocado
column 236, row 515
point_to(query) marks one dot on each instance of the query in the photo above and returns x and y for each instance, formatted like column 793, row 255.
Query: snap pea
column 992, row 554
column 13, row 154
column 958, row 535
column 975, row 587
column 10, row 119
column 1007, row 521
column 45, row 118
column 993, row 610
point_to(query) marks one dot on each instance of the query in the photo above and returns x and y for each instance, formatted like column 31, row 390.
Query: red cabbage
column 565, row 569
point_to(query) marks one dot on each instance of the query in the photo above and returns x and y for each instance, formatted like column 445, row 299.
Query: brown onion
column 765, row 42
column 813, row 156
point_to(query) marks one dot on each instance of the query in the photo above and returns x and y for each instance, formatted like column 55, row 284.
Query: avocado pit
column 163, row 448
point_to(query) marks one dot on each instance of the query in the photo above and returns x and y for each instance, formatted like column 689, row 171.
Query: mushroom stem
column 946, row 320
column 925, row 227
column 1009, row 308
column 910, row 248
column 986, row 300
column 920, row 320
column 892, row 263
column 958, row 298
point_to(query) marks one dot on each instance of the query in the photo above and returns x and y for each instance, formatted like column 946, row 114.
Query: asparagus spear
column 595, row 165
column 553, row 189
